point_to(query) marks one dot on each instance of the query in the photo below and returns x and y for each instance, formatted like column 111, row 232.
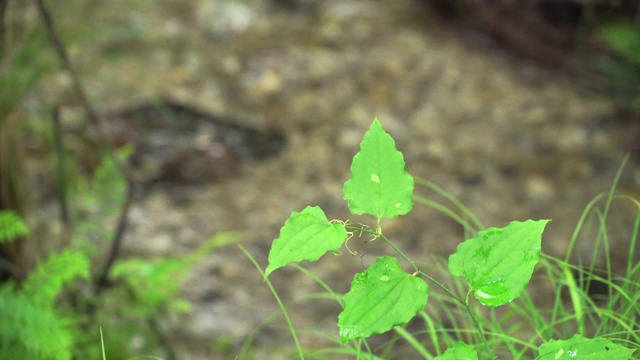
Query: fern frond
column 158, row 282
column 29, row 330
column 48, row 279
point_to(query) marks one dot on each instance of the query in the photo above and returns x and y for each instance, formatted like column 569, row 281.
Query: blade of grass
column 104, row 355
column 574, row 293
column 431, row 331
column 457, row 203
column 413, row 341
column 443, row 209
column 277, row 297
column 605, row 213
column 634, row 235
column 324, row 285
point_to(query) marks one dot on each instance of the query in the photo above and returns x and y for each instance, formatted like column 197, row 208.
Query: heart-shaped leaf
column 498, row 263
column 306, row 235
column 380, row 298
column 379, row 183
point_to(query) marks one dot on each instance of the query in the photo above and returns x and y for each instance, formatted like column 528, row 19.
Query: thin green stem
column 476, row 324
column 444, row 288
column 410, row 262
column 280, row 303
column 397, row 250
column 377, row 234
column 465, row 303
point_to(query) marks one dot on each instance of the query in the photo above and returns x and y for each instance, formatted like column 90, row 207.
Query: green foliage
column 497, row 264
column 47, row 280
column 379, row 184
column 157, row 282
column 624, row 68
column 148, row 289
column 460, row 351
column 98, row 203
column 307, row 235
column 30, row 329
column 51, row 315
column 624, row 39
column 380, row 298
column 25, row 66
column 11, row 226
column 30, row 324
column 579, row 347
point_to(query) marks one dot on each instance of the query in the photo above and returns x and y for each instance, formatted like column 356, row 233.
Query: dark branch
column 121, row 225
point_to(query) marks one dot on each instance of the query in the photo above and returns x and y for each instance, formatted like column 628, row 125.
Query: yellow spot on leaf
column 375, row 178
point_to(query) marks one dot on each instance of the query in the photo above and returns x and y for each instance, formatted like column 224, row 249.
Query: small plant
column 56, row 313
column 31, row 326
column 496, row 264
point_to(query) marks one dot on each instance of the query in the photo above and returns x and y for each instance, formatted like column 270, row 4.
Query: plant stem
column 61, row 50
column 61, row 177
column 444, row 288
column 405, row 257
column 280, row 303
column 465, row 303
column 476, row 323
column 121, row 226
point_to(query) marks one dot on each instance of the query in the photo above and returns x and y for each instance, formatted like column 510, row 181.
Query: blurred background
column 176, row 121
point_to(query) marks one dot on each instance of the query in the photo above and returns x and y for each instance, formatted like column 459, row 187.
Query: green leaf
column 459, row 351
column 579, row 347
column 379, row 183
column 306, row 235
column 498, row 263
column 380, row 298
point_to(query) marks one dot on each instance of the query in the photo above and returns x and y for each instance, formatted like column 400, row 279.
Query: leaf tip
column 376, row 124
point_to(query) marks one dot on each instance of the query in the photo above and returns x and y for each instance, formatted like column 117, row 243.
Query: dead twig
column 102, row 279
column 60, row 49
